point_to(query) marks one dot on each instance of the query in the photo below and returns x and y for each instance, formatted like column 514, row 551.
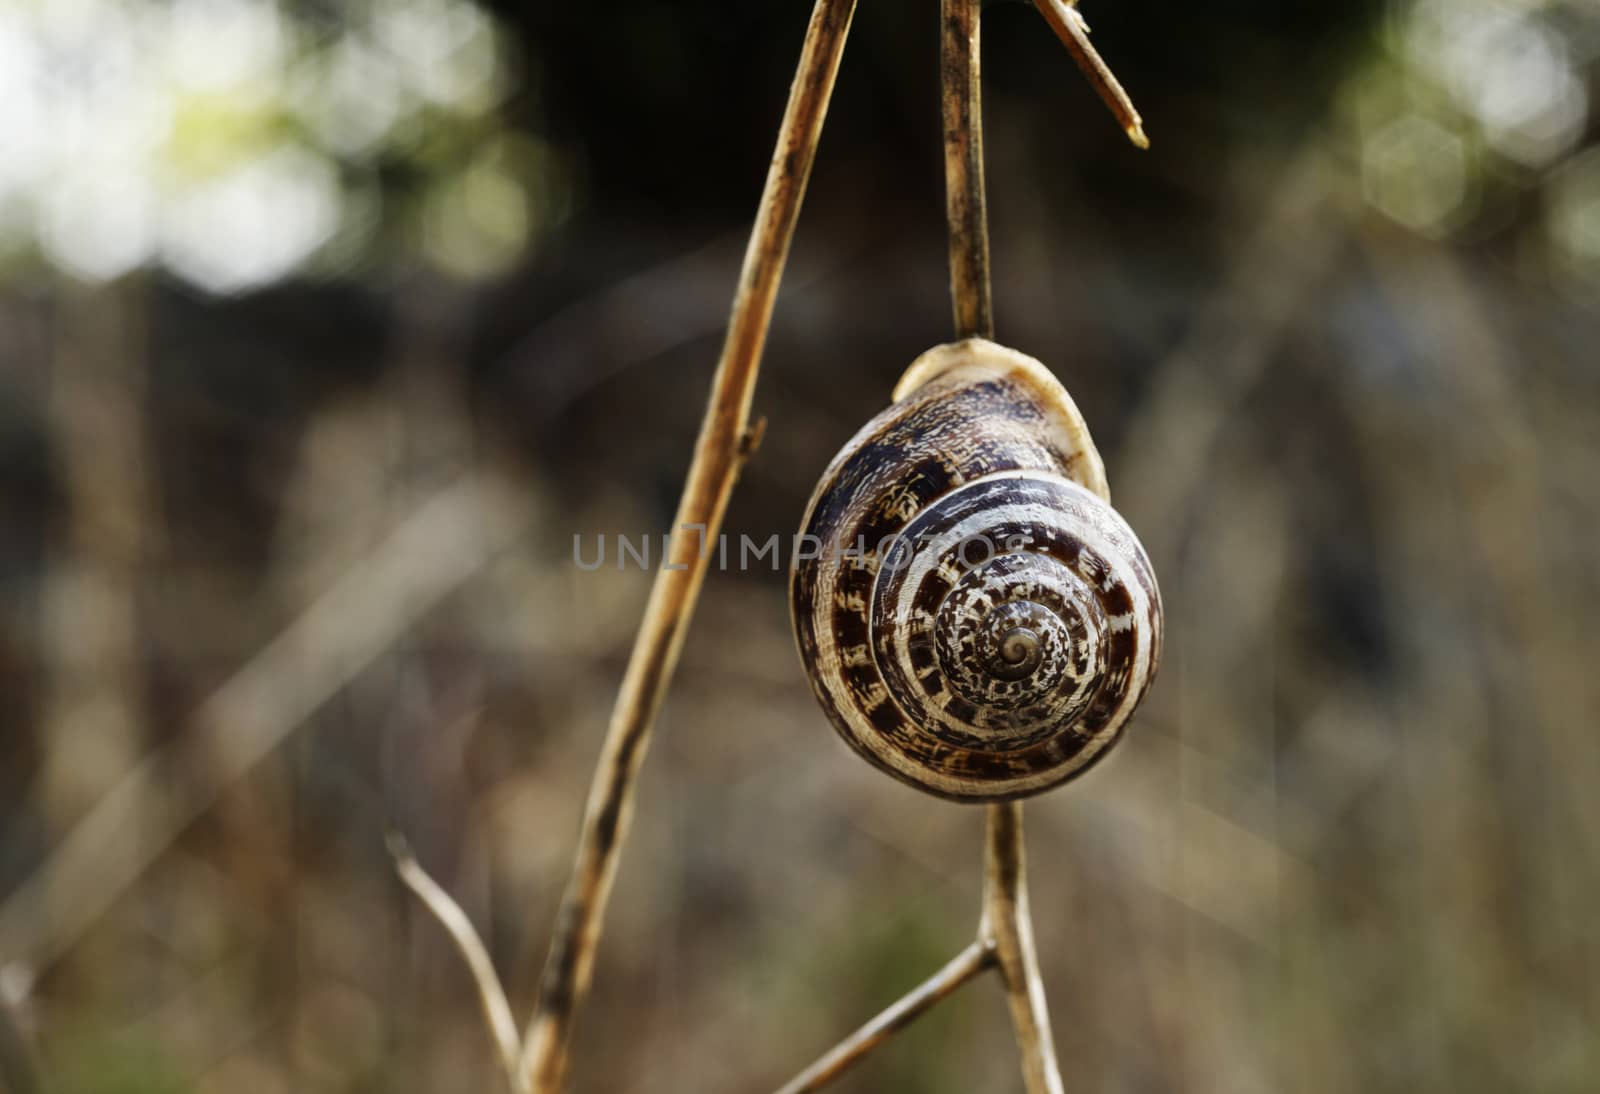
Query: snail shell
column 976, row 619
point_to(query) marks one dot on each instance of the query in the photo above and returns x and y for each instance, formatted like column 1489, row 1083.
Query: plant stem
column 724, row 444
column 965, row 207
column 1005, row 941
column 1007, row 922
column 1005, row 926
column 491, row 995
column 963, row 967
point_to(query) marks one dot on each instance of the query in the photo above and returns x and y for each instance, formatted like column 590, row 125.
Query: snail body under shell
column 976, row 619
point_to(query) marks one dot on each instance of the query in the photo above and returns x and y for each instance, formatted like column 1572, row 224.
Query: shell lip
column 981, row 357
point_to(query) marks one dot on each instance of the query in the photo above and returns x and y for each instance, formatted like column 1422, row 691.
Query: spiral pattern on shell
column 977, row 620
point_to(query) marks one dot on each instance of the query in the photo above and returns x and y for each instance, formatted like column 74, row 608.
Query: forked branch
column 536, row 1063
column 1005, row 930
column 1005, row 942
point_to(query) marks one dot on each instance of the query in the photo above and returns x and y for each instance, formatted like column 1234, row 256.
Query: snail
column 975, row 619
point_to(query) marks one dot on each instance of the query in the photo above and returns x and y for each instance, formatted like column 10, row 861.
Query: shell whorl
column 977, row 620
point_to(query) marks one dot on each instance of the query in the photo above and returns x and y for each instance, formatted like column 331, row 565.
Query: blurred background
column 326, row 325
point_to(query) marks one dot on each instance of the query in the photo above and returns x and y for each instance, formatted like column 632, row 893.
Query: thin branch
column 496, row 1008
column 1069, row 26
column 1005, row 927
column 965, row 207
column 719, row 454
column 1007, row 921
column 428, row 555
column 1005, row 941
column 911, row 1006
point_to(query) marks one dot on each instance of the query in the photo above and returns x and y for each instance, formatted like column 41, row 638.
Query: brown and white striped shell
column 976, row 619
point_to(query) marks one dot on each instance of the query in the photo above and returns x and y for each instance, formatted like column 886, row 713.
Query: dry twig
column 966, row 210
column 496, row 1009
column 1004, row 942
column 961, row 968
column 719, row 455
column 1069, row 26
column 1007, row 922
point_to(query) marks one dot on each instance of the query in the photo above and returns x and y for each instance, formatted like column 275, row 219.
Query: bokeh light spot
column 99, row 226
column 477, row 223
column 253, row 224
column 228, row 139
column 1573, row 221
column 1415, row 172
